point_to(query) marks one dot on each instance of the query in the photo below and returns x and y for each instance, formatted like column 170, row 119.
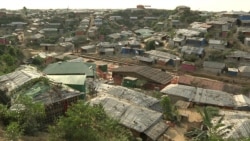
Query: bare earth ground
column 176, row 133
column 193, row 115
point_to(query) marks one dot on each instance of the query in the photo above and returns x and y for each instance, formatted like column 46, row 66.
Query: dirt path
column 177, row 133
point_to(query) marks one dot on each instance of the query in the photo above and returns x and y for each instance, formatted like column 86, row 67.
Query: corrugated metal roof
column 216, row 22
column 195, row 39
column 216, row 65
column 101, row 87
column 88, row 47
column 182, row 104
column 68, row 79
column 134, row 117
column 132, row 96
column 214, row 97
column 217, row 42
column 156, row 130
column 152, row 74
column 202, row 82
column 239, row 122
column 187, row 32
column 144, row 31
column 159, row 54
column 187, row 92
column 69, row 68
column 200, row 25
column 145, row 59
column 199, row 95
column 244, row 69
column 139, row 119
column 17, row 78
column 111, row 105
column 48, row 93
column 241, row 100
column 192, row 50
column 130, row 78
column 208, row 83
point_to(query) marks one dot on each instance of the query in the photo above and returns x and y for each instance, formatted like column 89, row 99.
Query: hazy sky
column 209, row 5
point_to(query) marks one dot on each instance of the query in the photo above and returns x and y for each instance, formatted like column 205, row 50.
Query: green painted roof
column 48, row 93
column 69, row 79
column 144, row 31
column 70, row 68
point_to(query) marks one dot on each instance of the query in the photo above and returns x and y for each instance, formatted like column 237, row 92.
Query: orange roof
column 201, row 82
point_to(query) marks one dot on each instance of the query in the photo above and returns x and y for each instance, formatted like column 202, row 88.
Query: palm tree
column 169, row 111
column 209, row 131
column 25, row 11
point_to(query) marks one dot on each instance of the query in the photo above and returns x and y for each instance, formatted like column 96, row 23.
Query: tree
column 190, row 57
column 78, row 41
column 9, row 60
column 13, row 131
column 209, row 131
column 241, row 37
column 27, row 114
column 170, row 112
column 217, row 55
column 38, row 61
column 31, row 118
column 25, row 11
column 150, row 45
column 90, row 123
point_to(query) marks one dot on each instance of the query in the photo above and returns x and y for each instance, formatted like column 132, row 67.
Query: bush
column 150, row 45
column 9, row 60
column 13, row 131
column 90, row 123
column 38, row 61
column 190, row 58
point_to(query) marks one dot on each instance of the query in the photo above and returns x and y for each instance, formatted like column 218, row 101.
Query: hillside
column 10, row 58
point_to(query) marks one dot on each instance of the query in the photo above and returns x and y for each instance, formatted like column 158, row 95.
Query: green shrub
column 38, row 61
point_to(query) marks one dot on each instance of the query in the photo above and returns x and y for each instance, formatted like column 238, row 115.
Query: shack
column 153, row 78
